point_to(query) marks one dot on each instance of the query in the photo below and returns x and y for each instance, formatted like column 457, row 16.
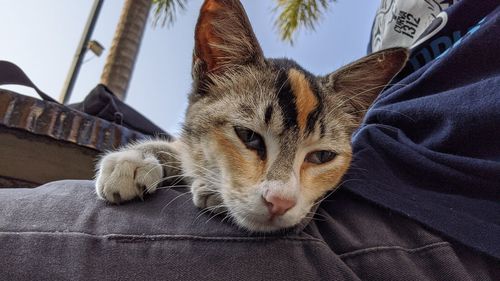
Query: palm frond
column 165, row 11
column 299, row 13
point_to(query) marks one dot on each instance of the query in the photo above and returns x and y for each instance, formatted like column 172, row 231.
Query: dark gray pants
column 60, row 231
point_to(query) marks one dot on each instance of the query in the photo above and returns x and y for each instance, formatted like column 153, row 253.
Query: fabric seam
column 135, row 238
column 392, row 248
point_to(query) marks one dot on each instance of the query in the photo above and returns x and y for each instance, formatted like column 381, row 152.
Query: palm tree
column 293, row 14
column 121, row 59
column 120, row 62
column 299, row 13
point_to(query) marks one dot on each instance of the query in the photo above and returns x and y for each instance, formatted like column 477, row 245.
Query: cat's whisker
column 324, row 198
column 156, row 183
column 187, row 200
column 393, row 111
column 147, row 173
column 211, row 191
column 210, row 210
column 209, row 179
column 356, row 168
column 151, row 186
column 315, row 219
column 205, row 172
column 227, row 218
column 172, row 186
column 321, row 215
column 178, row 180
column 332, row 192
column 171, row 177
column 215, row 215
column 171, row 154
column 167, row 165
column 346, row 181
column 208, row 171
column 175, row 198
column 201, row 213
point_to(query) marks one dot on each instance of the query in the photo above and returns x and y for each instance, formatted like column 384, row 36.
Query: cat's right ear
column 223, row 38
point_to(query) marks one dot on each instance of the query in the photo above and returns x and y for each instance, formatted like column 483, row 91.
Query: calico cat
column 263, row 138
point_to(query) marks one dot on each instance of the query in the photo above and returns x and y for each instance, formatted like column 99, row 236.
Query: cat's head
column 269, row 138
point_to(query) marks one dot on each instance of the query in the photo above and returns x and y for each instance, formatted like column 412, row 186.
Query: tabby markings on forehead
column 268, row 114
column 286, row 101
column 306, row 100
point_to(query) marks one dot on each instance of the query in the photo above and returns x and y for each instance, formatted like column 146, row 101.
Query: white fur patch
column 124, row 175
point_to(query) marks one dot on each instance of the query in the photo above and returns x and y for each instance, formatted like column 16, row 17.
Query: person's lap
column 62, row 231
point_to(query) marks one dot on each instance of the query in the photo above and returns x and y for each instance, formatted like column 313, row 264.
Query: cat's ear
column 223, row 38
column 361, row 81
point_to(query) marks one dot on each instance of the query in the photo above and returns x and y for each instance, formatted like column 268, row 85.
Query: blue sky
column 42, row 36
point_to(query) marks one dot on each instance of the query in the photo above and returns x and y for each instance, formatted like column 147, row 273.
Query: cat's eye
column 320, row 157
column 252, row 140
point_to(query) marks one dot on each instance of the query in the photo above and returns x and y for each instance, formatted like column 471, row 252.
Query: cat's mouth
column 260, row 222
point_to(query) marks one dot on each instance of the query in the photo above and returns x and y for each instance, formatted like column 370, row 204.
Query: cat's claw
column 125, row 175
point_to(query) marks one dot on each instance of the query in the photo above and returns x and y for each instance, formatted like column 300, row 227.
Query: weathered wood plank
column 44, row 141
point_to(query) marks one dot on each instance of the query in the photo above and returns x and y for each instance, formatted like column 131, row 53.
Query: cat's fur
column 235, row 89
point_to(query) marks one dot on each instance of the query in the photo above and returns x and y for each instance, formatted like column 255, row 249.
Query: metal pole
column 80, row 52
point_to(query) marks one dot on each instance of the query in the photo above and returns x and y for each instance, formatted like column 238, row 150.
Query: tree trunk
column 120, row 62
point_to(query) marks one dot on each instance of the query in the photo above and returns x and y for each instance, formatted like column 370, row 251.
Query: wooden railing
column 43, row 141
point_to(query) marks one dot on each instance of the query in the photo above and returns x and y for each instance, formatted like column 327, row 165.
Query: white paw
column 125, row 175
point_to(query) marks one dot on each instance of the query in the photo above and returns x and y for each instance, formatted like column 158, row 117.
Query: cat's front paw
column 204, row 197
column 125, row 175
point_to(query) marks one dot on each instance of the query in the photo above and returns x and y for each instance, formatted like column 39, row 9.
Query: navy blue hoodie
column 430, row 145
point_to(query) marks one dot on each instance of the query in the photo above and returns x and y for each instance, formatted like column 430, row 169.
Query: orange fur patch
column 245, row 167
column 306, row 101
column 316, row 182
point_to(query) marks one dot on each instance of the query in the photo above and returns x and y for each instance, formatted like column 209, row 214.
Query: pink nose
column 278, row 206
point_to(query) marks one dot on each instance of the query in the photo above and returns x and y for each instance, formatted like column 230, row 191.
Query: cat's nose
column 277, row 205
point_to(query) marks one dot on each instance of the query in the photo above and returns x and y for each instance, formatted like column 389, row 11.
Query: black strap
column 100, row 102
column 12, row 74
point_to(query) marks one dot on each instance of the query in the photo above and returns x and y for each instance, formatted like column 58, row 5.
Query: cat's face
column 265, row 136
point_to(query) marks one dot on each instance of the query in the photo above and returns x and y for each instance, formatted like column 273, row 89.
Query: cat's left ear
column 361, row 81
column 224, row 38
